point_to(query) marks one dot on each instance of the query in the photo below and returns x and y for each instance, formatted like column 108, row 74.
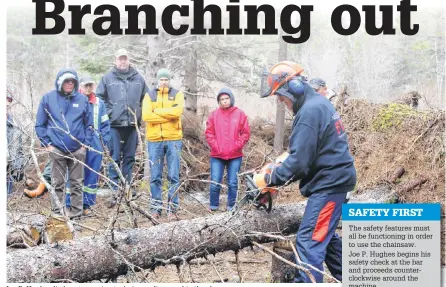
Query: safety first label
column 391, row 245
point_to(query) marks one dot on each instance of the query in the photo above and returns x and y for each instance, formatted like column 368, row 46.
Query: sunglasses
column 72, row 81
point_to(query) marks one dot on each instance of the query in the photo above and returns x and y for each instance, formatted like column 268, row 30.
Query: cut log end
column 35, row 234
column 57, row 231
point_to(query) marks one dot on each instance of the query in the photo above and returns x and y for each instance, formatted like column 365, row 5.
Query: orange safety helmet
column 278, row 75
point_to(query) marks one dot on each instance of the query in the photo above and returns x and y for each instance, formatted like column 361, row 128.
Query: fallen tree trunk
column 93, row 258
column 378, row 194
column 90, row 258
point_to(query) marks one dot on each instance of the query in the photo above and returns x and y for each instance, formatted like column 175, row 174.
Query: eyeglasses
column 90, row 85
column 72, row 81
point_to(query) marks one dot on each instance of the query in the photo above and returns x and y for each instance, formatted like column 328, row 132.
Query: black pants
column 122, row 149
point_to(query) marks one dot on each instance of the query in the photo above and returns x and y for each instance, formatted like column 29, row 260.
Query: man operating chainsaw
column 319, row 157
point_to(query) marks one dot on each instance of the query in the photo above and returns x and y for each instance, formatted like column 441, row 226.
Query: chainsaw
column 262, row 199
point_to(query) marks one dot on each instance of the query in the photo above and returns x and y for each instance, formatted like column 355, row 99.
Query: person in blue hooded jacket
column 319, row 157
column 100, row 139
column 64, row 126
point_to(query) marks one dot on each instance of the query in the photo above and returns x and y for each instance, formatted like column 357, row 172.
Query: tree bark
column 93, row 258
column 279, row 129
column 411, row 185
column 190, row 82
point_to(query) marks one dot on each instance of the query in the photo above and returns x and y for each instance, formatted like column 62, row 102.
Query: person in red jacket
column 227, row 132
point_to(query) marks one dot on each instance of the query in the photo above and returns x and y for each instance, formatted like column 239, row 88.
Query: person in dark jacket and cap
column 319, row 157
column 122, row 89
column 320, row 87
column 64, row 126
column 227, row 132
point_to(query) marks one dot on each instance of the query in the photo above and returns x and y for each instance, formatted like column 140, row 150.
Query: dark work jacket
column 319, row 152
column 121, row 91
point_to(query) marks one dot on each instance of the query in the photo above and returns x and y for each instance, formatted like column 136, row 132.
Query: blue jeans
column 217, row 168
column 157, row 151
column 122, row 150
column 316, row 239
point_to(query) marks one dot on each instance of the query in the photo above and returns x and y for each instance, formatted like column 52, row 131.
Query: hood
column 64, row 74
column 308, row 93
column 226, row 91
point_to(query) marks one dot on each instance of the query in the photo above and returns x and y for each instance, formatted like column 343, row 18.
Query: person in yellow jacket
column 161, row 110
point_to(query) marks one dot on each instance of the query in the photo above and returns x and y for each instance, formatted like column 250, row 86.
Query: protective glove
column 259, row 180
column 267, row 169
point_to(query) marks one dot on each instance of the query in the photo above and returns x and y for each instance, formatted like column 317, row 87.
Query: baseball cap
column 317, row 83
column 86, row 80
column 121, row 52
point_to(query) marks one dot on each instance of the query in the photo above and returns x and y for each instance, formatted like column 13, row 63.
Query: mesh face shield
column 265, row 87
column 270, row 82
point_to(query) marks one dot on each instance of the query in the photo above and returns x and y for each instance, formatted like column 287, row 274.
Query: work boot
column 35, row 192
column 69, row 212
column 87, row 212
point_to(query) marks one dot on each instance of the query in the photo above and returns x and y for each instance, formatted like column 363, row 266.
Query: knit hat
column 163, row 73
column 317, row 83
